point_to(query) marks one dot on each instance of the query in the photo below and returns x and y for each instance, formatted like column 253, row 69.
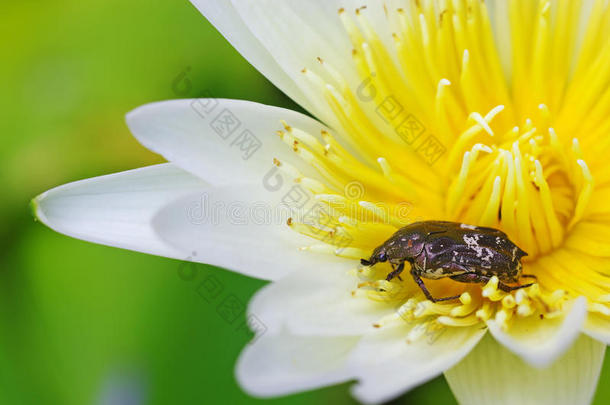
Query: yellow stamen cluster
column 525, row 182
column 475, row 305
column 455, row 118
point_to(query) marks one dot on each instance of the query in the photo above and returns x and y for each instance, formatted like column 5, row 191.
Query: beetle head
column 379, row 256
column 404, row 245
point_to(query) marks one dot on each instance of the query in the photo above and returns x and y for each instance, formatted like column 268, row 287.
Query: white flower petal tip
column 387, row 365
column 283, row 364
column 541, row 341
column 491, row 374
column 37, row 213
column 117, row 209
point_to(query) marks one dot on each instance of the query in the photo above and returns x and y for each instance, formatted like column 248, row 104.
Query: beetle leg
column 529, row 276
column 508, row 288
column 421, row 285
column 446, row 298
column 396, row 272
column 399, row 269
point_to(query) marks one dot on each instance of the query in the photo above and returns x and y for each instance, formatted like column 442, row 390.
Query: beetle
column 464, row 253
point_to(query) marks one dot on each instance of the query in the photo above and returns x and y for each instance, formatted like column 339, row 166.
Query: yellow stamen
column 522, row 139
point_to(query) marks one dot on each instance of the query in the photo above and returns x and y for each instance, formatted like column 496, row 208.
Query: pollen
column 451, row 119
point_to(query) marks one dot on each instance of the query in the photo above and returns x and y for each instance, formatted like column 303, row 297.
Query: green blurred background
column 88, row 324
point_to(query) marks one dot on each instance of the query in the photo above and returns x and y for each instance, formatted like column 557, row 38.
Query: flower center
column 523, row 180
column 443, row 124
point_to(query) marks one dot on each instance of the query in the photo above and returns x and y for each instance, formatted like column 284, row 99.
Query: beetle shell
column 438, row 249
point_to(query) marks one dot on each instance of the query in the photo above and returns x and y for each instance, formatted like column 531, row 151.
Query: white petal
column 220, row 153
column 540, row 341
column 226, row 227
column 598, row 327
column 387, row 365
column 117, row 209
column 296, row 32
column 491, row 374
column 318, row 301
column 226, row 20
column 283, row 364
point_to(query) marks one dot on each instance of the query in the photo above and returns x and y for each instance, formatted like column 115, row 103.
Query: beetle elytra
column 464, row 253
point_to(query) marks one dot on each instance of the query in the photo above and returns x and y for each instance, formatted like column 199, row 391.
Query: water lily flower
column 491, row 113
